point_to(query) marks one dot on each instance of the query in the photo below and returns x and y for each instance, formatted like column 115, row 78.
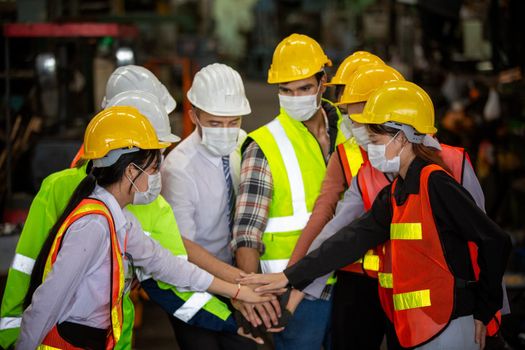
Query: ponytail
column 430, row 155
column 83, row 190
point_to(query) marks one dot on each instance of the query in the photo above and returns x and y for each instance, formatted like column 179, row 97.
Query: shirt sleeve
column 453, row 207
column 345, row 246
column 160, row 263
column 253, row 201
column 180, row 191
column 348, row 209
column 334, row 184
column 472, row 185
column 84, row 243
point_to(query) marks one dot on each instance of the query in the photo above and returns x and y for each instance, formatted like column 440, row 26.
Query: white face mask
column 300, row 108
column 153, row 191
column 220, row 141
column 346, row 126
column 361, row 136
column 377, row 157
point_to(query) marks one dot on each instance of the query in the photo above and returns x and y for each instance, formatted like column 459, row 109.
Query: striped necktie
column 231, row 193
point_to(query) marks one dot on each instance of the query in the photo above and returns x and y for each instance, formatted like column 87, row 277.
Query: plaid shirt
column 255, row 194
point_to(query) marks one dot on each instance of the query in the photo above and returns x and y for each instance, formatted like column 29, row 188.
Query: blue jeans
column 309, row 327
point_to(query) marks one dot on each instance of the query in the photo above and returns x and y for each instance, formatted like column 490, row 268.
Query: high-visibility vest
column 422, row 283
column 371, row 181
column 352, row 157
column 298, row 168
column 93, row 207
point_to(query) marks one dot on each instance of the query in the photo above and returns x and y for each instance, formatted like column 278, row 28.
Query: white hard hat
column 132, row 77
column 218, row 90
column 149, row 106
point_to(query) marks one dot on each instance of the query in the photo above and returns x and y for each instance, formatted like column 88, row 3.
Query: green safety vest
column 156, row 218
column 298, row 168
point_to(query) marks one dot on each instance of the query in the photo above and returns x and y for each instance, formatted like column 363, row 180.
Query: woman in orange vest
column 86, row 264
column 426, row 221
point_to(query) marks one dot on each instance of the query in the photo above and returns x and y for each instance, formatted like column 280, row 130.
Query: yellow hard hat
column 296, row 57
column 116, row 128
column 365, row 80
column 400, row 102
column 350, row 64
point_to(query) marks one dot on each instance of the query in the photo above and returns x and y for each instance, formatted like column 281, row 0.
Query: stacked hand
column 272, row 316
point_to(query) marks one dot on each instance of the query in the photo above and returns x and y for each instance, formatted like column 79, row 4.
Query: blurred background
column 56, row 56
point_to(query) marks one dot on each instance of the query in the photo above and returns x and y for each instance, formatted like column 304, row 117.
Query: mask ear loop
column 131, row 181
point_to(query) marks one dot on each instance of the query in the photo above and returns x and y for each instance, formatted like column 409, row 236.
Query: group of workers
column 360, row 187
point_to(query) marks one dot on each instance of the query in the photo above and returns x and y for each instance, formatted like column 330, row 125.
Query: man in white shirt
column 200, row 178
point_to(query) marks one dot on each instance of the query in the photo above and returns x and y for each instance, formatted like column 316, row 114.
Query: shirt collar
column 410, row 184
column 111, row 202
column 203, row 151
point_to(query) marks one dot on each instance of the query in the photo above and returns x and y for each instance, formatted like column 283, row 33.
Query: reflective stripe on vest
column 192, row 306
column 371, row 261
column 412, row 300
column 23, row 264
column 95, row 207
column 300, row 216
column 10, row 322
column 406, row 231
column 351, row 159
column 385, row 280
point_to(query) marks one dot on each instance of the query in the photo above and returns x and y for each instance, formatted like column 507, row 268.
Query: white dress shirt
column 194, row 184
column 77, row 289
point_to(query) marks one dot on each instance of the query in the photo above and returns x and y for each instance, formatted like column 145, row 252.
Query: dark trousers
column 358, row 321
column 195, row 338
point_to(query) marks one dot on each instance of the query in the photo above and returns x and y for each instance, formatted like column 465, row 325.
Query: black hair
column 101, row 176
column 319, row 75
column 428, row 154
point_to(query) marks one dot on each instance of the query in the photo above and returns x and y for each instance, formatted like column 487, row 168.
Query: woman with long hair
column 75, row 296
column 437, row 298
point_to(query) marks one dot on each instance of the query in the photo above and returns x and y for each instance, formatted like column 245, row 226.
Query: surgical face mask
column 153, row 191
column 361, row 136
column 377, row 157
column 219, row 141
column 346, row 126
column 300, row 108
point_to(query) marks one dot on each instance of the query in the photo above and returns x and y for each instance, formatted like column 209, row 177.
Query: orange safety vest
column 88, row 207
column 370, row 181
column 422, row 283
column 351, row 164
column 78, row 156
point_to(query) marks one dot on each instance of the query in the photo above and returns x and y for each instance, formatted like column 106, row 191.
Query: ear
column 323, row 81
column 193, row 116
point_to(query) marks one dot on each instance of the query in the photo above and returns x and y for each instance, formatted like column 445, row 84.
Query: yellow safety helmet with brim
column 119, row 128
column 366, row 80
column 296, row 57
column 399, row 102
column 350, row 64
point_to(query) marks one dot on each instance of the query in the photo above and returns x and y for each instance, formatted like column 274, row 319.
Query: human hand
column 480, row 332
column 248, row 295
column 274, row 283
column 296, row 296
column 246, row 329
column 248, row 311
